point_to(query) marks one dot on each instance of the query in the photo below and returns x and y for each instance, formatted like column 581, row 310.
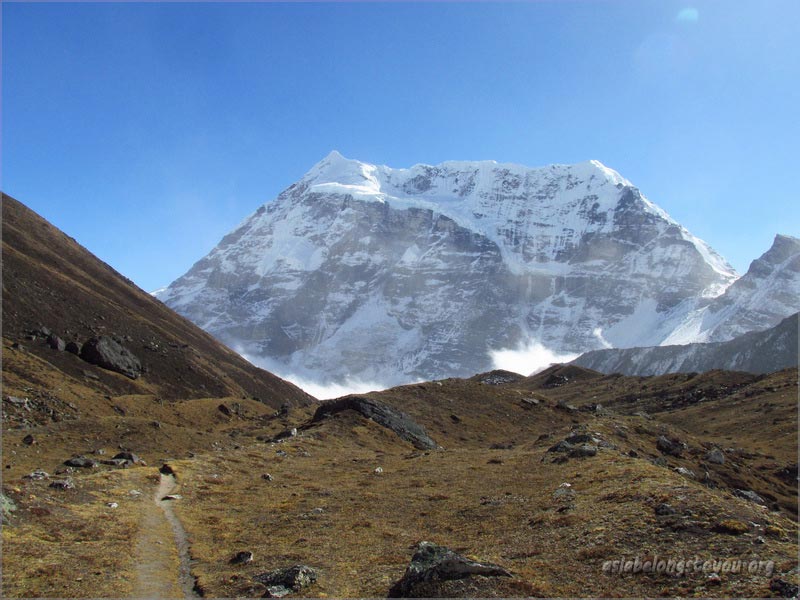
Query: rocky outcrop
column 107, row 353
column 397, row 421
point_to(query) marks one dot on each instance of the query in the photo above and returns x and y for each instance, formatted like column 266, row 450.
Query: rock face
column 755, row 352
column 432, row 564
column 109, row 354
column 391, row 275
column 393, row 419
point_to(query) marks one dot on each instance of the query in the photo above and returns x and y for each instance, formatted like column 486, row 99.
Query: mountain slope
column 50, row 281
column 761, row 298
column 389, row 275
column 754, row 352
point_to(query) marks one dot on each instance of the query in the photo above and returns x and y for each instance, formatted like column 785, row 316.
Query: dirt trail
column 162, row 550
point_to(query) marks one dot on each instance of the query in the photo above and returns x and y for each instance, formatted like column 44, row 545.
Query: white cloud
column 327, row 391
column 528, row 358
column 688, row 15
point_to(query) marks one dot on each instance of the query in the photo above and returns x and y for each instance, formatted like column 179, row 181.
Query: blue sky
column 148, row 131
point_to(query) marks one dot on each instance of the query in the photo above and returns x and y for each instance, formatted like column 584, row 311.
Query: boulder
column 241, row 558
column 56, row 343
column 107, row 353
column 433, row 564
column 583, row 451
column 81, row 461
column 668, row 446
column 399, row 422
column 715, row 457
column 129, row 456
column 73, row 348
column 281, row 582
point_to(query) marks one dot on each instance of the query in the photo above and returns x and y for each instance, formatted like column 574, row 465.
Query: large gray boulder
column 433, row 564
column 391, row 418
column 106, row 352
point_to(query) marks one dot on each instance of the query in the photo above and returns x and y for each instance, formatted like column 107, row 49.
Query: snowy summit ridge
column 361, row 271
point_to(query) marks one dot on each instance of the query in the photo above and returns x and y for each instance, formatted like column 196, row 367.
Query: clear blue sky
column 148, row 131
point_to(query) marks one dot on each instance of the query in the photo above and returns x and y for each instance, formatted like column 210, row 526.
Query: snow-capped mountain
column 390, row 275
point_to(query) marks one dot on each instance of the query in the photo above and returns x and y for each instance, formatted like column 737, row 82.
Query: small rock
column 29, row 440
column 750, row 495
column 135, row 493
column 81, row 462
column 685, row 472
column 579, row 438
column 378, row 470
column 63, row 484
column 664, row 509
column 129, row 456
column 56, row 343
column 713, row 579
column 759, row 540
column 715, row 457
column 267, row 477
column 583, row 451
column 73, row 348
column 783, row 588
column 667, row 446
column 242, row 558
column 562, row 446
column 112, row 504
column 172, row 497
column 290, row 579
column 37, row 475
column 224, row 410
column 166, row 470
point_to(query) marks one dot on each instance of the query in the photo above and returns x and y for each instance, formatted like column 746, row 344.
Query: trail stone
column 432, row 563
column 107, row 353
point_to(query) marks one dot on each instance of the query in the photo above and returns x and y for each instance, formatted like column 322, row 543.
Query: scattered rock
column 583, row 451
column 378, row 470
column 562, row 405
column 685, row 472
column 172, row 497
column 29, row 440
column 112, row 505
column 63, row 484
column 56, row 343
column 562, row 446
column 107, row 353
column 285, row 434
column 281, row 582
column 81, row 462
column 399, row 422
column 580, row 438
column 783, row 588
column 715, row 457
column 667, row 446
column 431, row 564
column 73, row 348
column 664, row 509
column 129, row 456
column 37, row 475
column 242, row 558
column 267, row 477
column 750, row 495
column 225, row 410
